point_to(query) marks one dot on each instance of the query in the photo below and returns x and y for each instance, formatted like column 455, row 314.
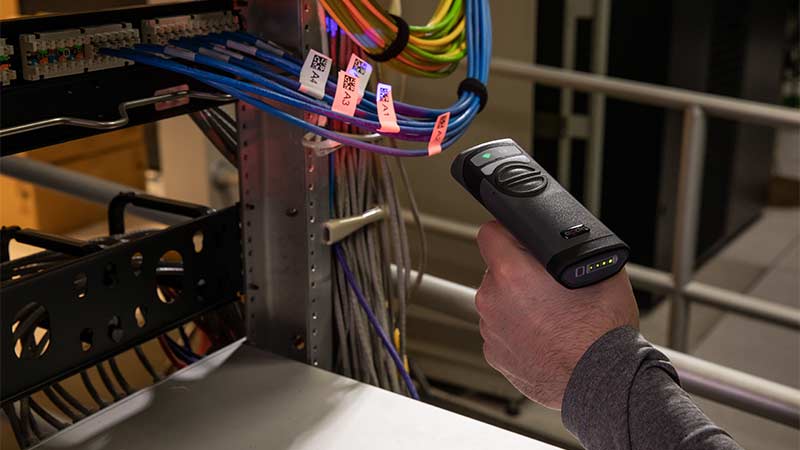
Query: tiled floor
column 756, row 347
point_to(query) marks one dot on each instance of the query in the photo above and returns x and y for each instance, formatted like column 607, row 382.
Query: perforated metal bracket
column 90, row 302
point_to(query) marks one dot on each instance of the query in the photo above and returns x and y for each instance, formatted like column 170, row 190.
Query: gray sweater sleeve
column 625, row 395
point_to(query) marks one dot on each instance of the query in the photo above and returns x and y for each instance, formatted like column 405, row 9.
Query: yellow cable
column 440, row 12
column 396, row 336
column 444, row 40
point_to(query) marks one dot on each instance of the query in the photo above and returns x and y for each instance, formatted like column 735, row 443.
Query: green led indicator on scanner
column 599, row 264
column 486, row 155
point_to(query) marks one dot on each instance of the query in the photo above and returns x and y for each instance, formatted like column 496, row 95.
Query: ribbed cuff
column 595, row 406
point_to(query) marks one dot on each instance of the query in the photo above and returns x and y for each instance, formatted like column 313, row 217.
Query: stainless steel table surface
column 244, row 398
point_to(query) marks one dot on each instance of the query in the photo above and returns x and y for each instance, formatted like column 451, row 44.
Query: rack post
column 284, row 188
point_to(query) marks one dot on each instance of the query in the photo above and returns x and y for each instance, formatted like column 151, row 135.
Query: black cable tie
column 398, row 45
column 475, row 86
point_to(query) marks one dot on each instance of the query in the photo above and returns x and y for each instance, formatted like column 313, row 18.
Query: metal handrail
column 651, row 280
column 722, row 384
column 694, row 105
column 639, row 92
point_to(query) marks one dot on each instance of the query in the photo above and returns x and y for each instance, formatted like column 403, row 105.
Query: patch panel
column 6, row 72
column 68, row 52
column 160, row 30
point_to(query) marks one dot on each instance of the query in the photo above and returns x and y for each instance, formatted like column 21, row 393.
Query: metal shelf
column 243, row 397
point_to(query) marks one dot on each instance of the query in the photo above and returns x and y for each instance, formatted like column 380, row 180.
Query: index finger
column 501, row 250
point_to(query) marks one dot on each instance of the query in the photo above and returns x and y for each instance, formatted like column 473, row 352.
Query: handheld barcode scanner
column 573, row 245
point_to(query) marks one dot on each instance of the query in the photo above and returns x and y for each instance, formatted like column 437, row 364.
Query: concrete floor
column 756, row 347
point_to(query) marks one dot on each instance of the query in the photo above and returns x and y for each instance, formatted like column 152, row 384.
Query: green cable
column 446, row 23
column 439, row 58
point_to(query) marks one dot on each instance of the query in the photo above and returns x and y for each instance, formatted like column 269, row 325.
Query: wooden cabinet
column 118, row 156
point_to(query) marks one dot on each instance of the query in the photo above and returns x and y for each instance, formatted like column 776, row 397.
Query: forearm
column 624, row 395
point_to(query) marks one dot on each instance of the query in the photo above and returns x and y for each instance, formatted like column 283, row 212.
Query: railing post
column 687, row 212
column 593, row 189
column 564, row 170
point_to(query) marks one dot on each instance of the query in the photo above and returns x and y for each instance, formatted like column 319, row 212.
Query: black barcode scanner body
column 573, row 245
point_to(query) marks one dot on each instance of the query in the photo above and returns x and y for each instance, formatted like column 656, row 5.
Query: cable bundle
column 248, row 68
column 432, row 50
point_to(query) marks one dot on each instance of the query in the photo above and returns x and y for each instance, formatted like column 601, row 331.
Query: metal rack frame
column 283, row 188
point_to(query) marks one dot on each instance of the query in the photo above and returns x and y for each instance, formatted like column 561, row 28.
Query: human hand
column 535, row 330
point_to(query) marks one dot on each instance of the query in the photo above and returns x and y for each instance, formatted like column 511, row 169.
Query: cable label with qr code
column 386, row 114
column 346, row 98
column 362, row 70
column 314, row 74
column 439, row 133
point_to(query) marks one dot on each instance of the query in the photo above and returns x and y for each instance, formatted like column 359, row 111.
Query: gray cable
column 377, row 273
column 362, row 181
column 423, row 241
column 87, row 383
column 342, row 205
column 364, row 271
column 226, row 147
column 399, row 261
column 363, row 344
column 123, row 383
column 405, row 257
column 46, row 416
column 71, row 400
column 227, row 121
column 366, row 339
column 25, row 422
column 33, row 424
column 107, row 382
column 58, row 403
column 14, row 421
column 146, row 363
column 224, row 129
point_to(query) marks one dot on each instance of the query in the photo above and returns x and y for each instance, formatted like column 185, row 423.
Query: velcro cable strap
column 475, row 86
column 398, row 45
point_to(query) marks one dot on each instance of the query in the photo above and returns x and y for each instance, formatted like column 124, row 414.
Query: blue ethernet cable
column 263, row 83
column 226, row 85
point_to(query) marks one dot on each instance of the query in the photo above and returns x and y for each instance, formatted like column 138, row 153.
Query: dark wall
column 731, row 48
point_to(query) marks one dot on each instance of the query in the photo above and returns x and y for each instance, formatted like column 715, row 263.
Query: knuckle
column 506, row 271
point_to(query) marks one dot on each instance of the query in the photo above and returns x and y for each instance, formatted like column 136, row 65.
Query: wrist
column 596, row 396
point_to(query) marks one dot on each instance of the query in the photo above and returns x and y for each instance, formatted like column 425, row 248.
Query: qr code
column 349, row 83
column 360, row 67
column 319, row 63
column 383, row 94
